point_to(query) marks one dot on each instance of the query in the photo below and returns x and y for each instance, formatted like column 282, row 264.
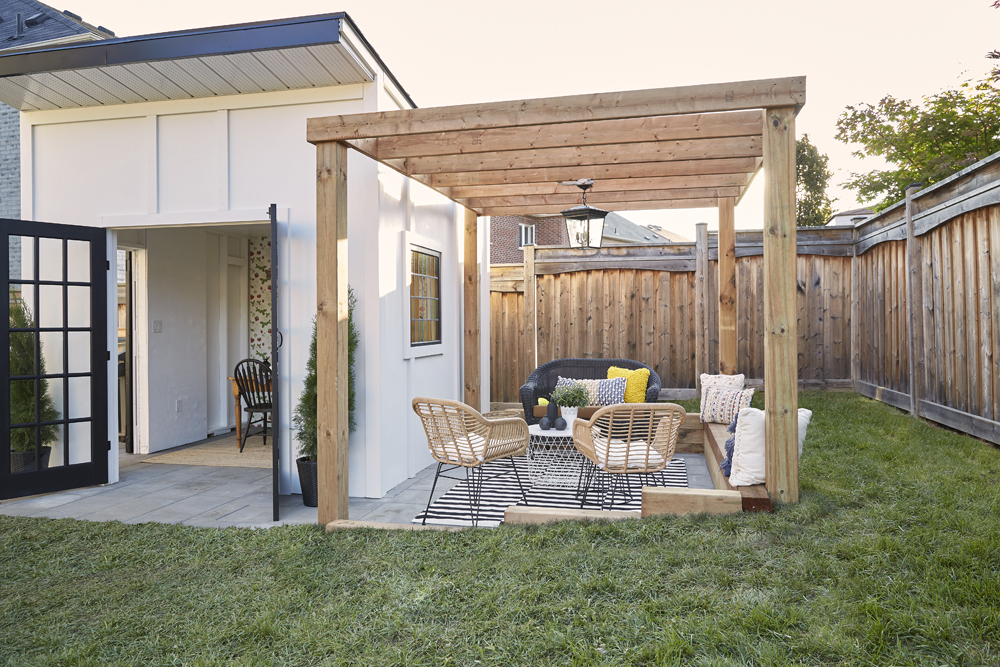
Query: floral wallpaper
column 260, row 298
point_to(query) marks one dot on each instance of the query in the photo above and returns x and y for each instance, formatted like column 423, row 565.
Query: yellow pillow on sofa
column 635, row 382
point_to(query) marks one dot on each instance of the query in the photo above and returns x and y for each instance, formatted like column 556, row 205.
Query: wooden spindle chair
column 253, row 378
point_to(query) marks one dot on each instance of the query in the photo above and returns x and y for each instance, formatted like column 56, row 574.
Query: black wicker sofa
column 543, row 379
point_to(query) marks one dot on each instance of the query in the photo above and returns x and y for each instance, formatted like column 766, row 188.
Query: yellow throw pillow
column 635, row 382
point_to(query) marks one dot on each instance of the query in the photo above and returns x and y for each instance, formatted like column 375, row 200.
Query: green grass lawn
column 891, row 558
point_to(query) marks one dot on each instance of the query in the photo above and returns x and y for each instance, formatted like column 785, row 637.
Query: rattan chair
column 459, row 437
column 253, row 378
column 626, row 439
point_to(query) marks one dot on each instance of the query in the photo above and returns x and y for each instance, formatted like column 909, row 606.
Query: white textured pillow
column 804, row 417
column 748, row 453
column 723, row 381
column 749, row 464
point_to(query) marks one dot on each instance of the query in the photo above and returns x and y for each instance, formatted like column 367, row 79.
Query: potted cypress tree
column 305, row 414
column 22, row 394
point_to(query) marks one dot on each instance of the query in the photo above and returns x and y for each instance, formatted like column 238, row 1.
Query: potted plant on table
column 570, row 399
column 305, row 414
column 22, row 394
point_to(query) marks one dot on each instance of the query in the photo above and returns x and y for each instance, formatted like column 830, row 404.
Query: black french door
column 54, row 416
column 276, row 341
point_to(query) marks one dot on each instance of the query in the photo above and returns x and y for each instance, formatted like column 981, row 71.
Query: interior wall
column 177, row 357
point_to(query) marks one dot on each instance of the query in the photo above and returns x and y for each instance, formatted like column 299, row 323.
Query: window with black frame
column 425, row 297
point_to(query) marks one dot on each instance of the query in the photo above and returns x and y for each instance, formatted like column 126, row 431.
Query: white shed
column 176, row 144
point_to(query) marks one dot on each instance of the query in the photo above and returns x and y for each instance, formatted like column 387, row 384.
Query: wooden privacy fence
column 930, row 274
column 645, row 303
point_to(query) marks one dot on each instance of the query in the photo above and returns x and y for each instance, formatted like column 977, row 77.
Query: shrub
column 305, row 414
column 22, row 394
column 573, row 396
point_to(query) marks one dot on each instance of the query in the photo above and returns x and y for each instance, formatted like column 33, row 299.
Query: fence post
column 914, row 304
column 530, row 330
column 856, row 292
column 700, row 322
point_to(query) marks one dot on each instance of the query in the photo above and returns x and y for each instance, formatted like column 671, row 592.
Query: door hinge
column 109, row 265
column 109, row 355
column 109, row 445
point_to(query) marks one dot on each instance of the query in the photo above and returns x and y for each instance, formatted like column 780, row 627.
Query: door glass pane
column 53, row 402
column 22, row 450
column 79, row 443
column 50, row 306
column 79, row 398
column 54, row 438
column 22, row 306
column 22, row 402
column 50, row 259
column 52, row 353
column 22, row 353
column 78, row 261
column 79, row 351
column 22, row 257
column 78, row 306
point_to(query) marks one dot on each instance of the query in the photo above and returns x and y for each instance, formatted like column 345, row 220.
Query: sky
column 464, row 51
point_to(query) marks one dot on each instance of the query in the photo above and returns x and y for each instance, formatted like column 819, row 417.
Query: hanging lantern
column 584, row 224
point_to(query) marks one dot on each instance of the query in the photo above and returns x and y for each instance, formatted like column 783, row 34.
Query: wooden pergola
column 687, row 147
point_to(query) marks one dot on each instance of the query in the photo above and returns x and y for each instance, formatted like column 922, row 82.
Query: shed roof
column 304, row 52
column 685, row 147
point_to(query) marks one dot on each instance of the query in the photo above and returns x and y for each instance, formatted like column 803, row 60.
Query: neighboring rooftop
column 849, row 217
column 41, row 25
column 285, row 54
column 620, row 229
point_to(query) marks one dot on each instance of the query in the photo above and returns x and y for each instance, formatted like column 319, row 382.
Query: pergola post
column 473, row 370
column 780, row 336
column 727, row 285
column 331, row 330
column 700, row 320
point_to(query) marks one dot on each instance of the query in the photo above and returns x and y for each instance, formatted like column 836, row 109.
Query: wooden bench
column 755, row 498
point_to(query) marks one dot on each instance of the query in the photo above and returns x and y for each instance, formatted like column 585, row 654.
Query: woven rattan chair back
column 630, row 437
column 253, row 378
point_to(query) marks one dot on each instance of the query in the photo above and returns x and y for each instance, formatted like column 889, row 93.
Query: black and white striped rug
column 500, row 492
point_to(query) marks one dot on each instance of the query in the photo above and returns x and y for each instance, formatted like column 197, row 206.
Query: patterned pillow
column 724, row 381
column 720, row 406
column 599, row 392
column 635, row 388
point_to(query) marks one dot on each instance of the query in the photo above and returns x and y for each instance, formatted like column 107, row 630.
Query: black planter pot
column 309, row 480
column 25, row 461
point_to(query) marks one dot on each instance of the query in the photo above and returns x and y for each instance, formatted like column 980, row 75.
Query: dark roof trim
column 259, row 36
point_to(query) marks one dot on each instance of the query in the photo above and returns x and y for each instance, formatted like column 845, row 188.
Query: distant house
column 849, row 217
column 509, row 233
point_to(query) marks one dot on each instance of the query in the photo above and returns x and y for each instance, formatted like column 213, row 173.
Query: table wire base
column 553, row 461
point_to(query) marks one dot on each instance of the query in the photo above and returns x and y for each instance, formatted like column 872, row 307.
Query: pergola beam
column 550, row 175
column 650, row 151
column 763, row 93
column 606, row 185
column 586, row 133
column 623, row 197
column 624, row 206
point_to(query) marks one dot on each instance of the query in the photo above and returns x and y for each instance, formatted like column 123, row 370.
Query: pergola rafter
column 686, row 147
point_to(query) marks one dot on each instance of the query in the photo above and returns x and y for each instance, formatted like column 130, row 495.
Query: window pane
column 53, row 436
column 79, row 351
column 79, row 443
column 78, row 303
column 52, row 352
column 22, row 450
column 22, row 353
column 78, row 261
column 22, row 306
column 53, row 405
column 22, row 257
column 22, row 402
column 50, row 259
column 50, row 306
column 79, row 398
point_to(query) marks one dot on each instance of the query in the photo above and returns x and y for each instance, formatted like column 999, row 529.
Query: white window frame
column 419, row 243
column 526, row 235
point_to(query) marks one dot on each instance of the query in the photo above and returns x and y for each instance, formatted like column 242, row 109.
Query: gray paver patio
column 233, row 497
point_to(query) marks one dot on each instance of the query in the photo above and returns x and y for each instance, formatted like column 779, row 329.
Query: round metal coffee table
column 552, row 458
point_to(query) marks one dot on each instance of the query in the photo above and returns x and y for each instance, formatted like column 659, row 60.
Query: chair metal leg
column 524, row 495
column 433, row 486
column 474, row 484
